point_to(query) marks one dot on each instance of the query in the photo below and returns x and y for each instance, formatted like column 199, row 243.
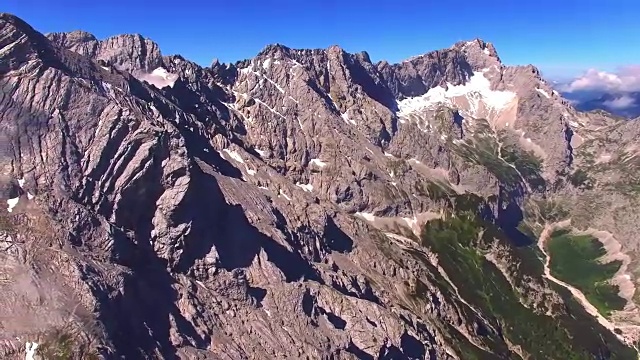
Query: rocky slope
column 300, row 204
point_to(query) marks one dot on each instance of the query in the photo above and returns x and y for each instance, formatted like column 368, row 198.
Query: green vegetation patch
column 575, row 260
column 527, row 163
column 461, row 242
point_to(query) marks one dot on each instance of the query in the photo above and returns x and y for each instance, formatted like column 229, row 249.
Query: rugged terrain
column 301, row 204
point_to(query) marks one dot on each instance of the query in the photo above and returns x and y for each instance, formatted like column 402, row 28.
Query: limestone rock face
column 249, row 210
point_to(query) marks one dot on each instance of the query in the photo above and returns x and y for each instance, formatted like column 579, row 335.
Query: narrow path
column 577, row 293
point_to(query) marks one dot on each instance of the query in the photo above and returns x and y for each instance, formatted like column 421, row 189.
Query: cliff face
column 275, row 207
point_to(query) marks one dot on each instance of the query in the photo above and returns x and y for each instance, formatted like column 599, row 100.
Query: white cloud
column 624, row 80
column 623, row 102
column 159, row 78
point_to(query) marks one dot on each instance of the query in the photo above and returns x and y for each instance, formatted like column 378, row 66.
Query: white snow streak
column 284, row 195
column 262, row 153
column 318, row 163
column 346, row 119
column 270, row 108
column 234, row 155
column 305, row 187
column 546, row 94
column 366, row 216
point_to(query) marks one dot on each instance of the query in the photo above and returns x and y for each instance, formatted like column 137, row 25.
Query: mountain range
column 625, row 104
column 307, row 204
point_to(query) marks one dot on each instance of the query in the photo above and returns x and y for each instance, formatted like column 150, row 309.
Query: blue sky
column 561, row 37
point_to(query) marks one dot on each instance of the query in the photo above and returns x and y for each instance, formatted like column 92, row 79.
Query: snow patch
column 21, row 183
column 262, row 153
column 266, row 64
column 251, row 172
column 366, row 216
column 541, row 91
column 11, row 203
column 318, row 163
column 346, row 119
column 305, row 187
column 411, row 222
column 234, row 155
column 30, row 350
column 388, row 155
column 30, row 196
column 477, row 90
column 284, row 195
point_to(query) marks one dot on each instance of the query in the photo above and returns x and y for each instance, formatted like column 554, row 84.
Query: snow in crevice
column 233, row 107
column 366, row 216
column 543, row 92
column 263, row 187
column 477, row 91
column 275, row 84
column 411, row 222
column 305, row 187
column 11, row 203
column 262, row 77
column 318, row 163
column 348, row 120
column 294, row 100
column 262, row 153
column 104, row 68
column 270, row 108
column 21, row 183
column 234, row 155
column 30, row 196
column 388, row 155
column 160, row 78
column 280, row 193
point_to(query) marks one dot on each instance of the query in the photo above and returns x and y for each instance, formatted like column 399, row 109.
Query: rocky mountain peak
column 20, row 43
column 128, row 52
